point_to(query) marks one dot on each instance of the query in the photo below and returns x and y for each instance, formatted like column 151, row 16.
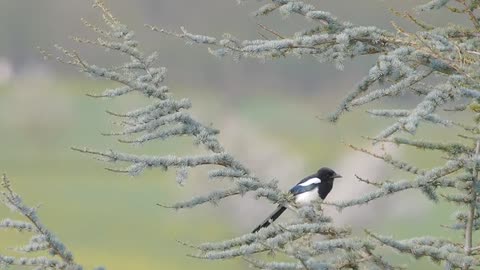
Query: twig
column 472, row 207
column 270, row 31
column 368, row 181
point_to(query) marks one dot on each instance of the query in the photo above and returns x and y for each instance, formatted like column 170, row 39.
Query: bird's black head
column 327, row 174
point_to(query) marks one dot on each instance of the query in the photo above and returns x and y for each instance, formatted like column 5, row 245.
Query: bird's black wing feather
column 301, row 189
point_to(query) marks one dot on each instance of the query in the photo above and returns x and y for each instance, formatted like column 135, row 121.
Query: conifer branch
column 436, row 177
column 43, row 239
column 406, row 60
column 165, row 117
column 453, row 149
column 401, row 165
column 436, row 249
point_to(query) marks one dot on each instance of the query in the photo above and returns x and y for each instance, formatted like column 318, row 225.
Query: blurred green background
column 267, row 113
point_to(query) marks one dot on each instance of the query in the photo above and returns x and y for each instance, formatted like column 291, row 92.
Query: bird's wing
column 306, row 184
column 298, row 189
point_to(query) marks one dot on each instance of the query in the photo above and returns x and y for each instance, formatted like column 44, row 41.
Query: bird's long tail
column 278, row 212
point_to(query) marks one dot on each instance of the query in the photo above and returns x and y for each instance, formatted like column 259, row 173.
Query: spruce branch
column 164, row 118
column 401, row 165
column 436, row 177
column 436, row 249
column 43, row 239
column 453, row 149
column 404, row 60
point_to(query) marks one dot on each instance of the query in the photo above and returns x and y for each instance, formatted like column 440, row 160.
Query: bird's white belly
column 307, row 197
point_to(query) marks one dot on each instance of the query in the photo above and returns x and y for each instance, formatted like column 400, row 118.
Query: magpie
column 309, row 189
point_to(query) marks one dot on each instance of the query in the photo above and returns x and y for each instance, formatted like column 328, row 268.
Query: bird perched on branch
column 309, row 189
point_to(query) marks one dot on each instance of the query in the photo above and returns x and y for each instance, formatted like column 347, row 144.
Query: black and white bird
column 308, row 190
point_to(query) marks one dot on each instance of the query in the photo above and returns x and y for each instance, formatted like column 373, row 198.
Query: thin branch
column 364, row 180
column 270, row 31
column 472, row 207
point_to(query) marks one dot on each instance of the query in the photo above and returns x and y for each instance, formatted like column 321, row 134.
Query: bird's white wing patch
column 311, row 181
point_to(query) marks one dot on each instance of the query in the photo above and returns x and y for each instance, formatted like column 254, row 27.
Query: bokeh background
column 268, row 113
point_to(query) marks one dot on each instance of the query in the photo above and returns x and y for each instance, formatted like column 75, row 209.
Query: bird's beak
column 337, row 176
